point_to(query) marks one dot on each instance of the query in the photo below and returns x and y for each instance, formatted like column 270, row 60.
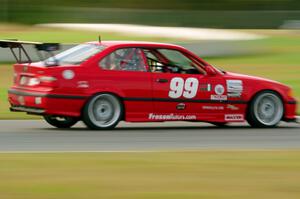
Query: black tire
column 103, row 111
column 265, row 114
column 60, row 122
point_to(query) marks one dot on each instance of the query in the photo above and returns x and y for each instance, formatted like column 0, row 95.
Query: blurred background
column 255, row 37
column 188, row 13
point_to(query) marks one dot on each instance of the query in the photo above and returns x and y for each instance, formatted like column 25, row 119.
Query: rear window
column 75, row 55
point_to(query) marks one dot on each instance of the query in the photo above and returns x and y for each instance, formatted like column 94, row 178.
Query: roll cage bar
column 19, row 52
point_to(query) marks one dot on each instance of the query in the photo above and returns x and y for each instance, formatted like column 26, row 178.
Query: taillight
column 48, row 81
column 35, row 81
column 23, row 80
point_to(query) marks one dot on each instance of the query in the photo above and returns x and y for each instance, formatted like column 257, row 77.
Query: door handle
column 162, row 80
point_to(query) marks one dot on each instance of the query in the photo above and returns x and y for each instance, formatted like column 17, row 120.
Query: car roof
column 145, row 44
column 136, row 44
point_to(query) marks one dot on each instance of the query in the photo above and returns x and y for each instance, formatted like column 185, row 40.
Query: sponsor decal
column 234, row 117
column 218, row 97
column 180, row 106
column 232, row 107
column 213, row 107
column 234, row 88
column 205, row 87
column 82, row 84
column 171, row 116
column 68, row 74
column 219, row 89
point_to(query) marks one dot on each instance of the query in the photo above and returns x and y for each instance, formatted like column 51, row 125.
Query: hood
column 254, row 78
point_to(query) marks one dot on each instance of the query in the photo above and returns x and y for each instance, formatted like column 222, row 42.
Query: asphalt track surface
column 37, row 136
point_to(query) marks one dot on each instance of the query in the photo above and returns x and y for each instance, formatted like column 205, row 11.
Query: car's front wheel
column 266, row 110
column 60, row 122
column 103, row 111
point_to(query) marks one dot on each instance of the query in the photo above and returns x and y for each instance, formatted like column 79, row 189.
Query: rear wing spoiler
column 19, row 52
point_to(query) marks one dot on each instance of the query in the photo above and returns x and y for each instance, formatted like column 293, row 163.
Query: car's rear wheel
column 266, row 110
column 103, row 111
column 60, row 122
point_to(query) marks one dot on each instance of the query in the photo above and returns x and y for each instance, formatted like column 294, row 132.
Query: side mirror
column 210, row 71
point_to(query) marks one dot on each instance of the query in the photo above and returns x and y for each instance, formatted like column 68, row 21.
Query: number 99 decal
column 187, row 89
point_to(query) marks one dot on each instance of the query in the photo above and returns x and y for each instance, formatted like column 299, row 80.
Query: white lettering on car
column 218, row 97
column 176, row 87
column 232, row 107
column 187, row 89
column 191, row 87
column 171, row 116
column 213, row 107
column 234, row 117
column 234, row 88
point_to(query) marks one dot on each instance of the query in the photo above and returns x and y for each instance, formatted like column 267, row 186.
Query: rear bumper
column 30, row 110
column 45, row 103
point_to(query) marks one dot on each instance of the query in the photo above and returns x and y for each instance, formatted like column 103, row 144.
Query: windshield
column 75, row 55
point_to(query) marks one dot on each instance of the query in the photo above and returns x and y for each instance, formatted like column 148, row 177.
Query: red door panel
column 189, row 95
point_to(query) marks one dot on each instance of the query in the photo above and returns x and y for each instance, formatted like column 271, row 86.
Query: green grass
column 174, row 175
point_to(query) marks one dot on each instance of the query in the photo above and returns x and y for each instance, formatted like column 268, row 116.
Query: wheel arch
column 261, row 91
column 118, row 96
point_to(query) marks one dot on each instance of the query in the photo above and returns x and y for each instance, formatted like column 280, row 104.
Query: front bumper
column 45, row 103
column 290, row 108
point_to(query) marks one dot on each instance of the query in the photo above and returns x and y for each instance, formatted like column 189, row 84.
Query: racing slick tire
column 265, row 110
column 103, row 111
column 60, row 122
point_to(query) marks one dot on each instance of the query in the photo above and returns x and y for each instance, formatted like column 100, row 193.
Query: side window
column 171, row 61
column 180, row 62
column 126, row 59
column 154, row 62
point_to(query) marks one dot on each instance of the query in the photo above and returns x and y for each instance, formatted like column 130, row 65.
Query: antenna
column 99, row 39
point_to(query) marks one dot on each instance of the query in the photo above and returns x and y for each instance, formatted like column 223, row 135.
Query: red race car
column 102, row 83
